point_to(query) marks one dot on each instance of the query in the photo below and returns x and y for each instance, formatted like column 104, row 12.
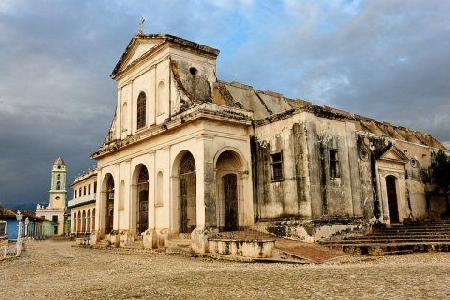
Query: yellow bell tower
column 58, row 192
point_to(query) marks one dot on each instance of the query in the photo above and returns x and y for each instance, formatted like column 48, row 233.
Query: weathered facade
column 188, row 154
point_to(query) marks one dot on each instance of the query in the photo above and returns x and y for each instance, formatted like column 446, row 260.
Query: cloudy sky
column 385, row 59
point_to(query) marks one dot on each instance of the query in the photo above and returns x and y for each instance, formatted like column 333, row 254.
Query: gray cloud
column 385, row 59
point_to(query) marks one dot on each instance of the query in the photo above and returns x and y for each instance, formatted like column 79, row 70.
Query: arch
column 228, row 168
column 124, row 116
column 392, row 197
column 74, row 220
column 79, row 222
column 93, row 220
column 159, row 101
column 141, row 197
column 244, row 165
column 160, row 189
column 184, row 166
column 108, row 190
column 141, row 110
column 88, row 221
column 83, row 220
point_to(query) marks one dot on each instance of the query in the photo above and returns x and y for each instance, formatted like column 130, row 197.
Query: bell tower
column 58, row 192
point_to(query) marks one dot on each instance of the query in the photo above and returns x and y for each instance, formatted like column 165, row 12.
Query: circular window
column 414, row 162
column 193, row 71
column 364, row 153
column 59, row 167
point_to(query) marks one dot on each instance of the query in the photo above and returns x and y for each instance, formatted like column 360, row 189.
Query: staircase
column 180, row 244
column 422, row 236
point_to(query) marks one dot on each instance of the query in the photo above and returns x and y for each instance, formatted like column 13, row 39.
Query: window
column 159, row 189
column 95, row 187
column 89, row 189
column 277, row 166
column 84, row 190
column 141, row 110
column 55, row 219
column 58, row 185
column 79, row 192
column 124, row 117
column 334, row 164
column 74, row 193
column 193, row 71
column 58, row 177
column 160, row 100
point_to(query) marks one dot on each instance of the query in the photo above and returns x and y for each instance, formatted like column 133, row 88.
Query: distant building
column 55, row 211
column 34, row 228
column 82, row 205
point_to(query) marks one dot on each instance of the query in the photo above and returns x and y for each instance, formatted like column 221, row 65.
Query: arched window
column 124, row 116
column 141, row 110
column 160, row 100
column 58, row 185
column 58, row 177
column 159, row 189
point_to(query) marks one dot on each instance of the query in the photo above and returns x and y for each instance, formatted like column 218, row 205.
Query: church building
column 189, row 155
column 55, row 211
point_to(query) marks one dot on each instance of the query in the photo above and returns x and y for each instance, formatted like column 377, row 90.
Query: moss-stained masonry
column 309, row 192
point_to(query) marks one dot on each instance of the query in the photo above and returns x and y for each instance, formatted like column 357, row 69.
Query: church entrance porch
column 228, row 171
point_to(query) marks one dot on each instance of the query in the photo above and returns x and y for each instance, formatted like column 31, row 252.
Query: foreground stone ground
column 56, row 270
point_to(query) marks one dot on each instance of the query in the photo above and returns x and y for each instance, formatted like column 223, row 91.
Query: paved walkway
column 56, row 270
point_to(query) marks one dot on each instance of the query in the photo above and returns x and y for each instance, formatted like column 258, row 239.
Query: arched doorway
column 187, row 193
column 83, row 220
column 88, row 222
column 142, row 200
column 392, row 199
column 109, row 214
column 228, row 170
column 74, row 220
column 93, row 220
column 79, row 222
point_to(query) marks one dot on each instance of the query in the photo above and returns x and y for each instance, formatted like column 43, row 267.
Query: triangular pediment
column 394, row 154
column 138, row 50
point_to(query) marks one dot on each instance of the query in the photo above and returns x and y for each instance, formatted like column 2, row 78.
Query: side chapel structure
column 190, row 155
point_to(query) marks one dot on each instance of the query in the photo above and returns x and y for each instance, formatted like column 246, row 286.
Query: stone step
column 179, row 243
column 411, row 231
column 406, row 234
column 391, row 248
column 385, row 241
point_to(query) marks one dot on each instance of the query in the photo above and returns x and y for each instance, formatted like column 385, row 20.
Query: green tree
column 440, row 174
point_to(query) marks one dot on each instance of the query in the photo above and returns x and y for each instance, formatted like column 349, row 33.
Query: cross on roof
column 141, row 25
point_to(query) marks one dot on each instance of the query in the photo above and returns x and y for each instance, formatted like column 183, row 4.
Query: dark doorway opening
column 231, row 202
column 187, row 194
column 142, row 207
column 392, row 199
column 109, row 205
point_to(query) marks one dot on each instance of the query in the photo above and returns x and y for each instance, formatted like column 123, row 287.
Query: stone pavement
column 56, row 270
